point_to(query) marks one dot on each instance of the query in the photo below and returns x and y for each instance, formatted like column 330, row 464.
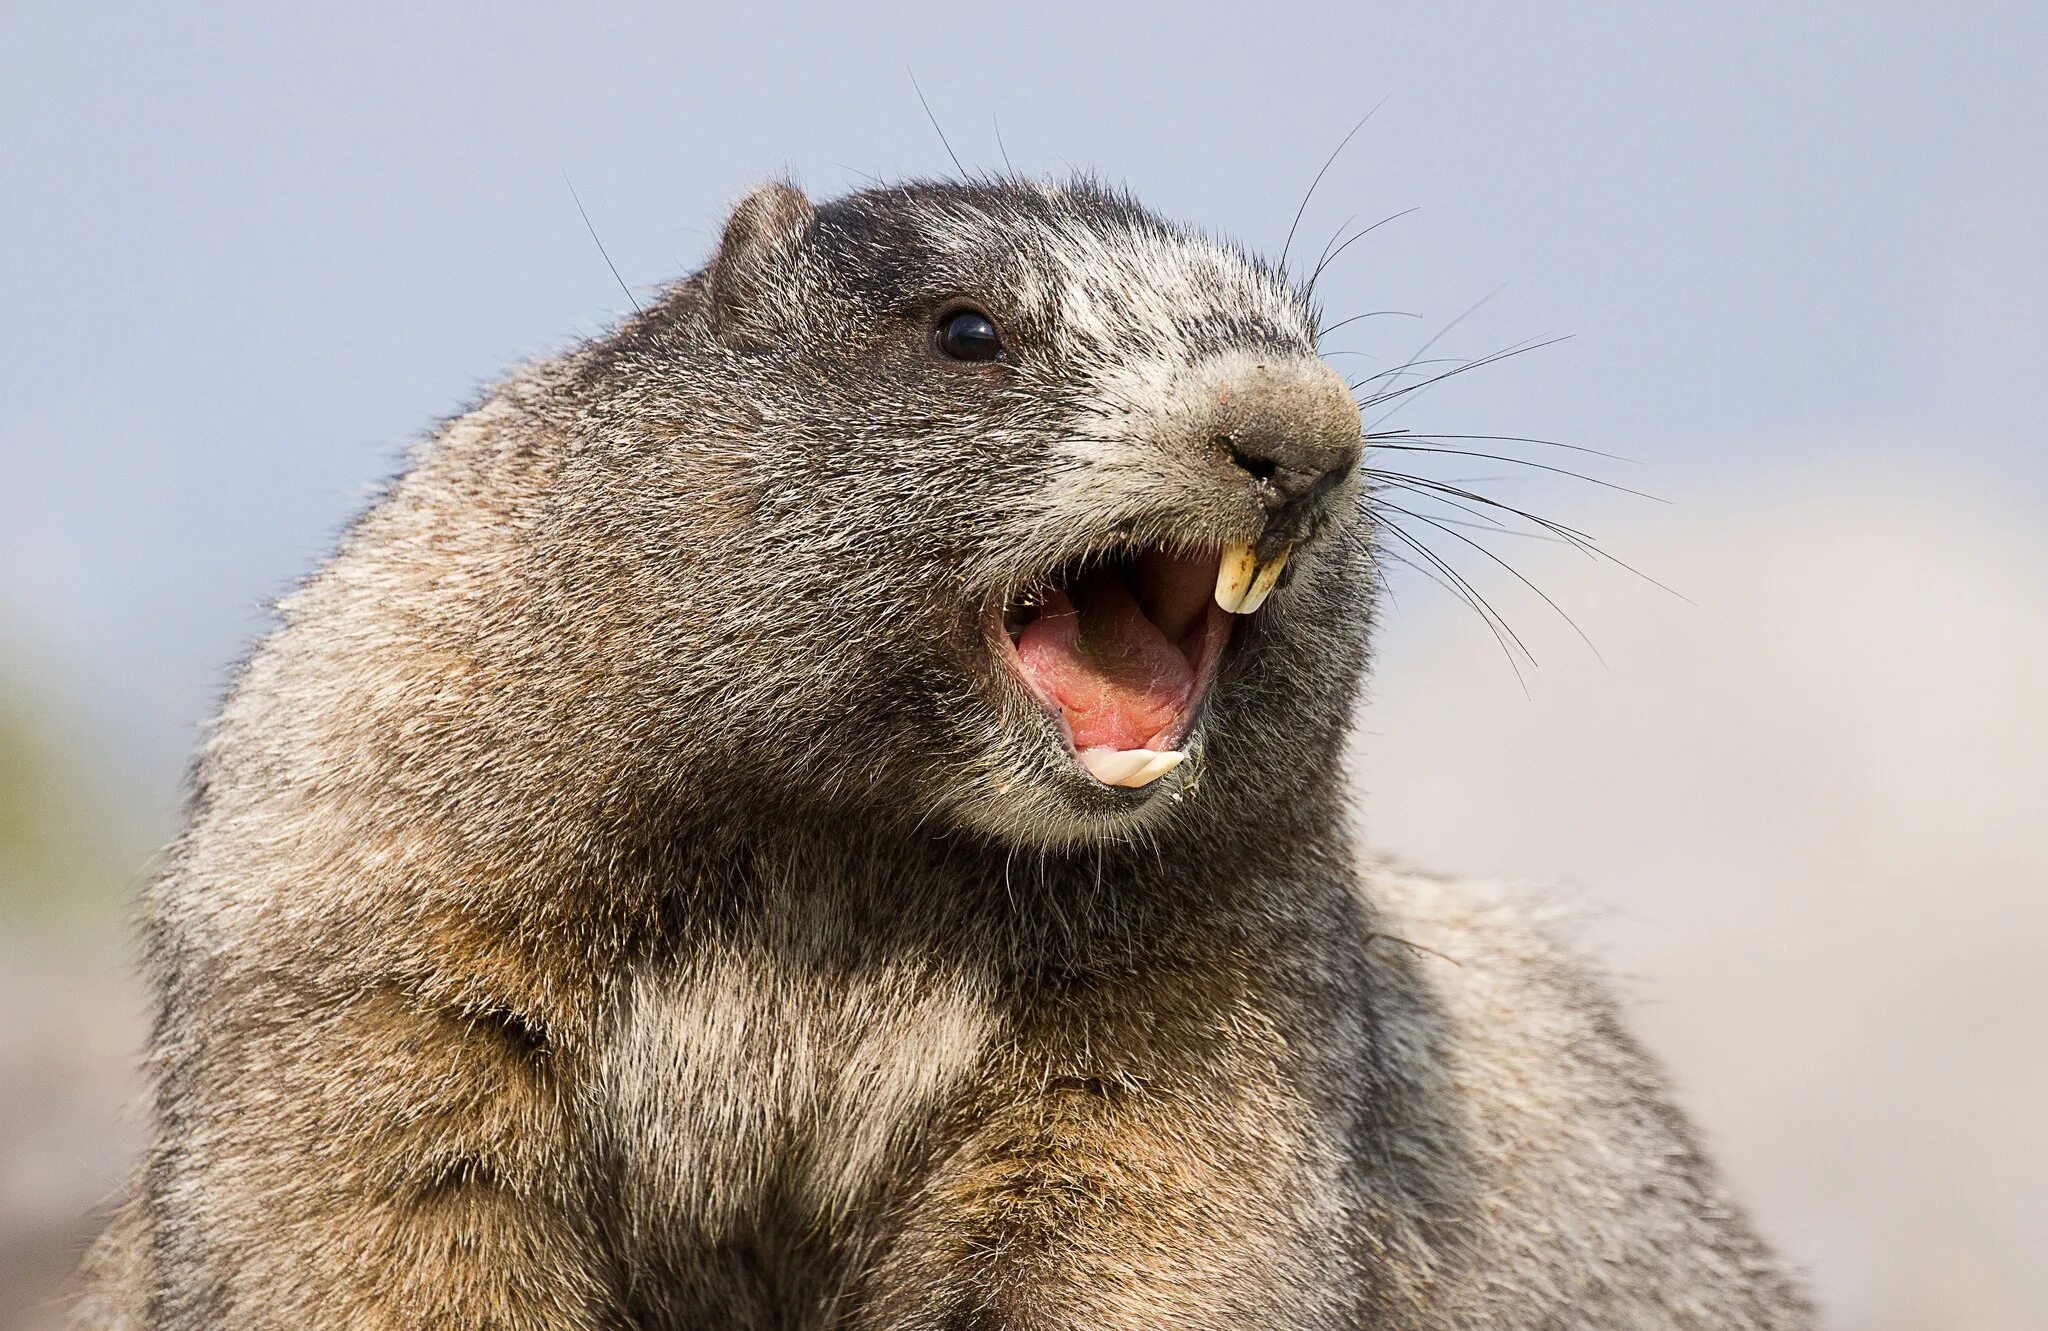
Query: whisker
column 1330, row 256
column 1514, row 461
column 1467, row 313
column 935, row 123
column 1451, row 590
column 1403, row 368
column 1449, row 570
column 1295, row 225
column 1322, row 333
column 1586, row 544
column 1444, row 567
column 602, row 252
column 1000, row 146
column 1508, row 439
column 1386, row 390
column 1324, row 256
column 1487, row 519
column 1576, row 537
column 1519, row 349
column 1517, row 574
column 1373, row 561
column 1497, row 529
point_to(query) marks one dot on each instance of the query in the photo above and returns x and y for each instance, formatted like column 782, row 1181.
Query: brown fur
column 616, row 895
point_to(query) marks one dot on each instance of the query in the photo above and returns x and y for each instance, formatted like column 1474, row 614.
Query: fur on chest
column 739, row 1082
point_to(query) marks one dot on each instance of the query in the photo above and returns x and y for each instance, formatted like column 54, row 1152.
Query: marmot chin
column 821, row 809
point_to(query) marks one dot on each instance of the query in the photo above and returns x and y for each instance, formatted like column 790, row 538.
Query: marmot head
column 1003, row 505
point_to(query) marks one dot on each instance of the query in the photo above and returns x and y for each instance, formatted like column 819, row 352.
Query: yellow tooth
column 1129, row 768
column 1262, row 586
column 1235, row 574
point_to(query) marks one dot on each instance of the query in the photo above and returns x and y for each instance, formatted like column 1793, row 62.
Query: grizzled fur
column 624, row 893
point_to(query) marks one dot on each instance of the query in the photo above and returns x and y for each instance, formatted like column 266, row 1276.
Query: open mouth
column 1120, row 649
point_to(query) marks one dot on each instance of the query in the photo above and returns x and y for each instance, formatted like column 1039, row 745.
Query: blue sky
column 244, row 258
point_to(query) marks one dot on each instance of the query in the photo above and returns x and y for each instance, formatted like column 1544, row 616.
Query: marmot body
column 821, row 809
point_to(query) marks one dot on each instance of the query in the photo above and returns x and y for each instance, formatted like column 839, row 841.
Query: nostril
column 1261, row 468
column 1282, row 476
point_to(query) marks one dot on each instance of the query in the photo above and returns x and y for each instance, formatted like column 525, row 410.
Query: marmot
column 821, row 809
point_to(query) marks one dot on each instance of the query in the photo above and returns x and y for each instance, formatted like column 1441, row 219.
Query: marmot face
column 1051, row 498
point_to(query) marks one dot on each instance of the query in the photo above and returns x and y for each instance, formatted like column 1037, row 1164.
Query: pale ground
column 1814, row 807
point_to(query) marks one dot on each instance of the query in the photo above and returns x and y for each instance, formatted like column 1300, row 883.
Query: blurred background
column 1801, row 257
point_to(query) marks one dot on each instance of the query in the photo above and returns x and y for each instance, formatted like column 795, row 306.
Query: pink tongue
column 1110, row 669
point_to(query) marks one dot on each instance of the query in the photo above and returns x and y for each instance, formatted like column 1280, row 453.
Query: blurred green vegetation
column 73, row 843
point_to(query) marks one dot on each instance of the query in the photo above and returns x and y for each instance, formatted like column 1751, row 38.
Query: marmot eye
column 969, row 335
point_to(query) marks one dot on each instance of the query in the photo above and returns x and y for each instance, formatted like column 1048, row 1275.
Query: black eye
column 969, row 335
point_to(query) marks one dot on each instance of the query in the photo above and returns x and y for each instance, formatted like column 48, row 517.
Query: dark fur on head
column 628, row 890
column 809, row 608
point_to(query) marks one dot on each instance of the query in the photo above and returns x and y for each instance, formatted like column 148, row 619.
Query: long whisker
column 1576, row 537
column 1502, row 629
column 1496, row 529
column 935, row 123
column 1580, row 540
column 1386, row 390
column 1423, row 571
column 1479, row 518
column 1372, row 443
column 1322, row 333
column 1330, row 256
column 1463, row 315
column 1334, row 235
column 602, row 252
column 1517, row 573
column 1519, row 349
column 1295, row 225
column 1505, row 439
column 1401, row 369
column 1001, row 147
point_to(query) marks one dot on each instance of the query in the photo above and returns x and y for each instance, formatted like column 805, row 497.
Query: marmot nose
column 1290, row 467
column 1293, row 430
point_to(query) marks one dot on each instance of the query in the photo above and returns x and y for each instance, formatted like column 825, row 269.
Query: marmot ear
column 758, row 247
